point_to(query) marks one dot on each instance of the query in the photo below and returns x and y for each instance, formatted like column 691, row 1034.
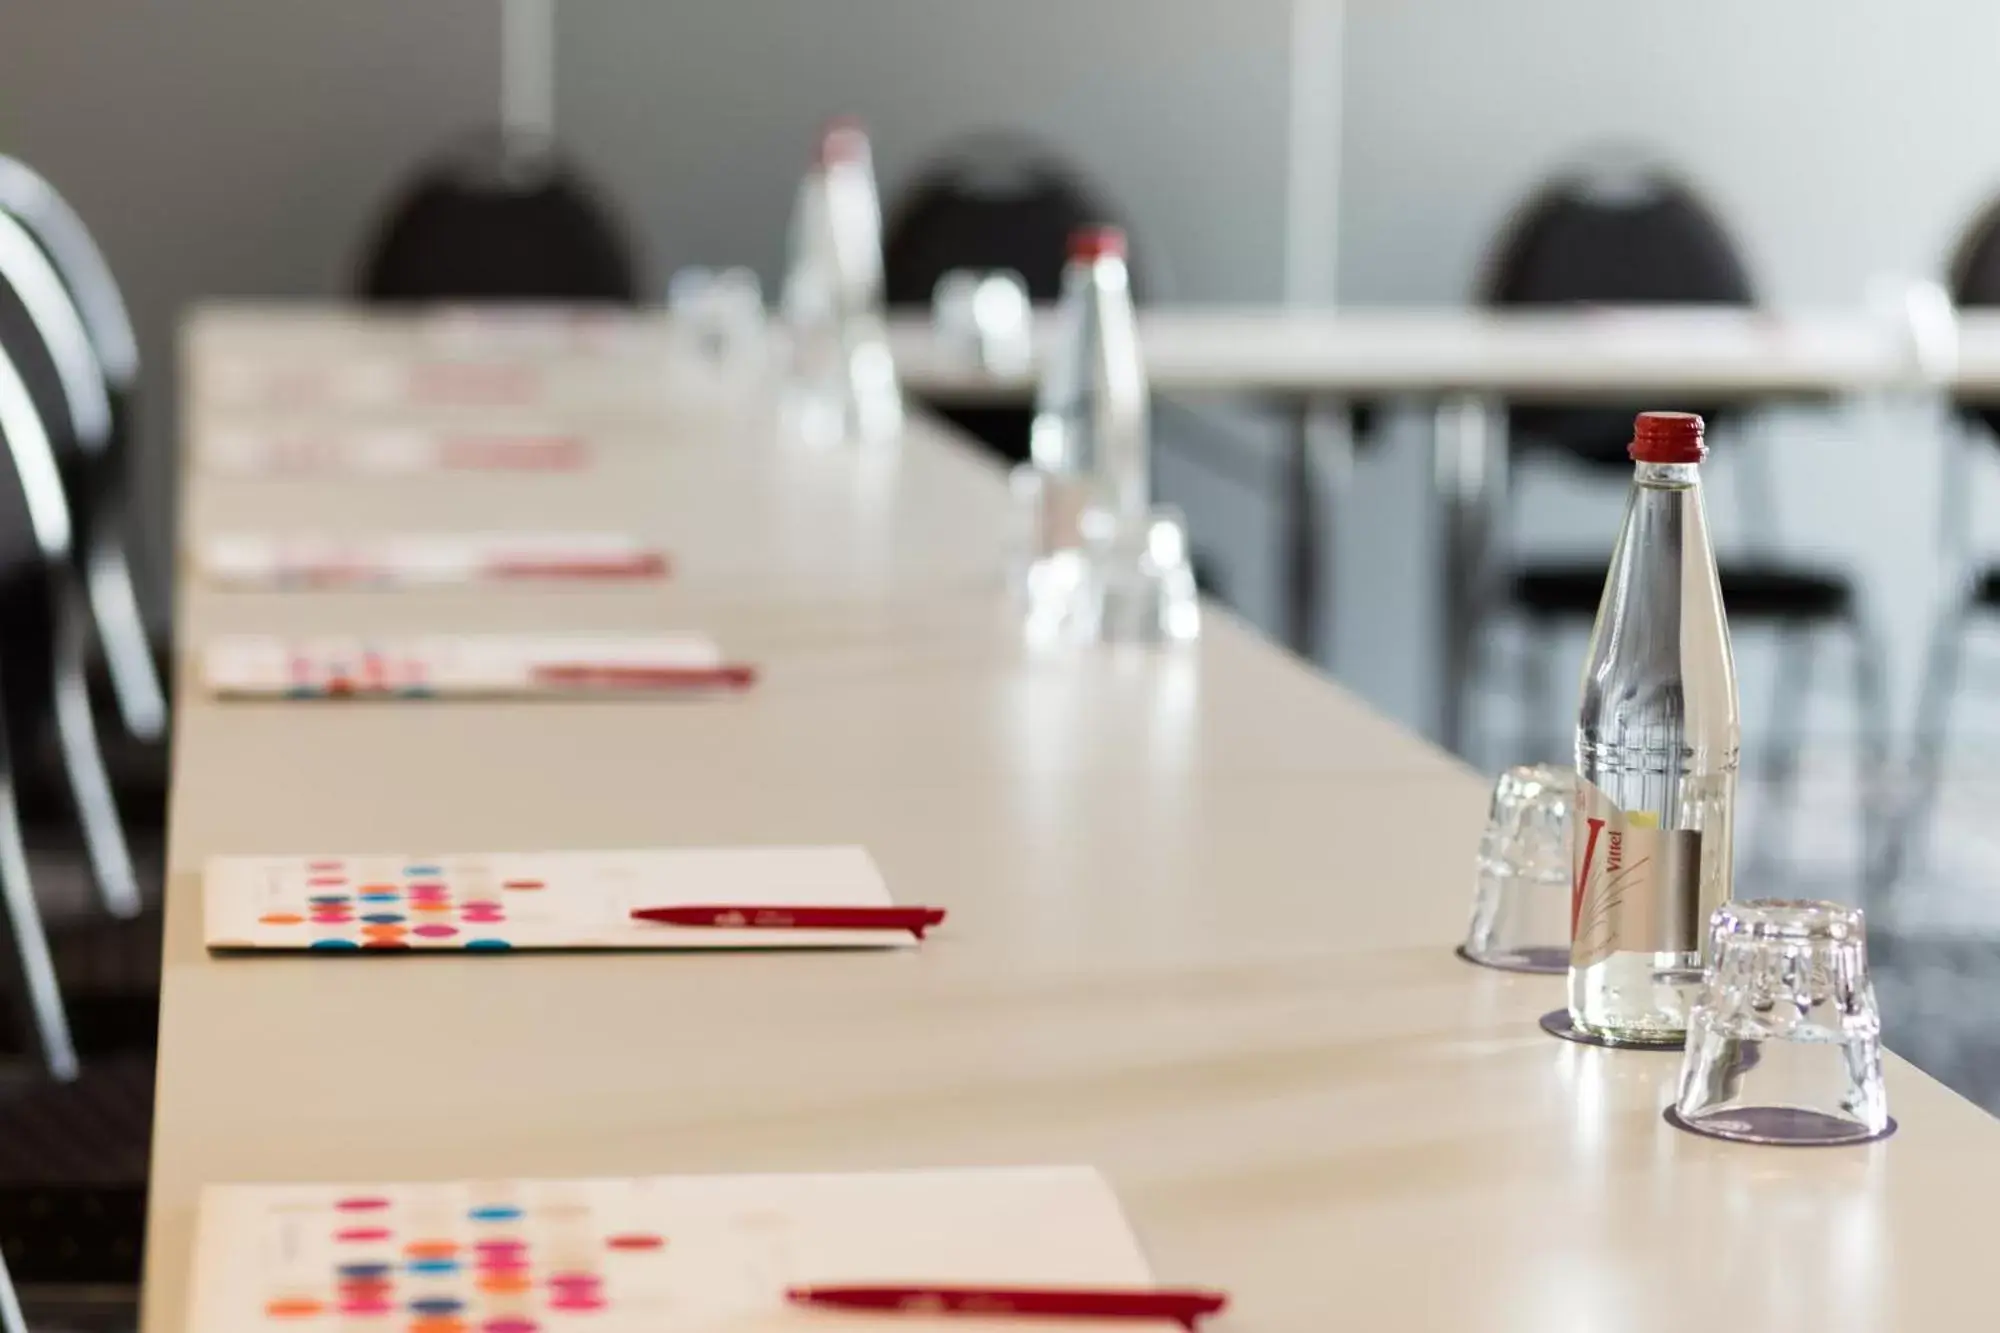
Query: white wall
column 222, row 147
column 702, row 115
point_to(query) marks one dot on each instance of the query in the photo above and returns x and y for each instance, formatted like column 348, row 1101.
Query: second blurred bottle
column 843, row 378
column 1087, row 447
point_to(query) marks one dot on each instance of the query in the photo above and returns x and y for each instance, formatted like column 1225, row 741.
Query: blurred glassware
column 1099, row 561
column 987, row 317
column 1131, row 582
column 1784, row 1046
column 1521, row 899
column 719, row 314
column 844, row 383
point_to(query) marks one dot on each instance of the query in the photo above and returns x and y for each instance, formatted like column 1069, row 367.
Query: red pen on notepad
column 643, row 565
column 612, row 676
column 916, row 920
column 1182, row 1307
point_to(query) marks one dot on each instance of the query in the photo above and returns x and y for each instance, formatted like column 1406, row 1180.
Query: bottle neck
column 1675, row 475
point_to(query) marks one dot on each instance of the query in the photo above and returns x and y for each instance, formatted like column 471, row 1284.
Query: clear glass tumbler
column 1785, row 1044
column 1521, row 900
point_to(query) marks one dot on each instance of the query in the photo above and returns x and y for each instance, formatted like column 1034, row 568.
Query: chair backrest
column 990, row 201
column 44, row 332
column 55, row 226
column 1609, row 236
column 496, row 222
column 36, row 535
column 1974, row 281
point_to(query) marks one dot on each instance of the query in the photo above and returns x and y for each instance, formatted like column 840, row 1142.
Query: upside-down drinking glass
column 1521, row 901
column 1784, row 1045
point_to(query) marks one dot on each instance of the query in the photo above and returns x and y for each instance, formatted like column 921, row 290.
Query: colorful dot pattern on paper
column 427, row 909
column 507, row 1264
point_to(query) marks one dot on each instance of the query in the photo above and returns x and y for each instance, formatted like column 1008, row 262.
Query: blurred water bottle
column 1093, row 386
column 1656, row 754
column 1096, row 557
column 844, row 381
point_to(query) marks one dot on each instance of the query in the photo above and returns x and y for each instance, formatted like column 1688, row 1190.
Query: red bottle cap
column 843, row 139
column 1089, row 244
column 1667, row 437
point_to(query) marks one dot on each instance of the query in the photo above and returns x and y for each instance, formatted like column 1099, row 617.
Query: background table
column 1203, row 904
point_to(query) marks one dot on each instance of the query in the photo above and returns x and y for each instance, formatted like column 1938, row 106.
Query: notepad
column 372, row 382
column 424, row 560
column 692, row 1254
column 467, row 666
column 531, row 900
column 540, row 331
column 388, row 451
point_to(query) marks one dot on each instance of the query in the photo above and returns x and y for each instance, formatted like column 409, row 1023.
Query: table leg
column 1321, row 445
column 1468, row 479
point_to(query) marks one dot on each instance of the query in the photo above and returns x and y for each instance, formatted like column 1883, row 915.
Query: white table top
column 1556, row 355
column 1203, row 905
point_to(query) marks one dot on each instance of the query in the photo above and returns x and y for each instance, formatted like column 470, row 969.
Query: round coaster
column 1556, row 1023
column 1541, row 962
column 1778, row 1127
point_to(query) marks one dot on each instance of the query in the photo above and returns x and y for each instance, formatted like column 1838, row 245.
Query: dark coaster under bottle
column 1540, row 962
column 1778, row 1127
column 1557, row 1023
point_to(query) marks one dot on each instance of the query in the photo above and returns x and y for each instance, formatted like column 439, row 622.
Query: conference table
column 1203, row 902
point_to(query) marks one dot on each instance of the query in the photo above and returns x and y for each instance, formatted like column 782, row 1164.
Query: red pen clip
column 612, row 676
column 916, row 920
column 1184, row 1307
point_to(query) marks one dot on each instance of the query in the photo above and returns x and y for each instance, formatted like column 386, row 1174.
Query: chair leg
column 11, row 1318
column 1874, row 804
column 83, row 761
column 1910, row 823
column 31, row 943
column 1781, row 758
column 121, row 629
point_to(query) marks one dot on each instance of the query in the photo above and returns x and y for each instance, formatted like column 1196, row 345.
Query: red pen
column 916, row 920
column 611, row 676
column 1182, row 1307
column 644, row 565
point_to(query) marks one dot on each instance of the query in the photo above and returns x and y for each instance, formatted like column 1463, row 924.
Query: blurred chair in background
column 34, row 564
column 96, row 477
column 1974, row 593
column 993, row 201
column 499, row 219
column 1628, row 237
column 45, row 648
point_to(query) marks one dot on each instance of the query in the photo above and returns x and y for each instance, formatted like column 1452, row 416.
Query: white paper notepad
column 465, row 666
column 372, row 382
column 424, row 560
column 388, row 451
column 690, row 1254
column 532, row 900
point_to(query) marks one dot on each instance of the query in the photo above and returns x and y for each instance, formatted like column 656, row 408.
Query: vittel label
column 1635, row 886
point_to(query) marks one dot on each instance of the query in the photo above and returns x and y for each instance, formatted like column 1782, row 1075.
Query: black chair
column 992, row 201
column 44, row 335
column 1974, row 283
column 1638, row 238
column 493, row 220
column 96, row 476
column 36, row 603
